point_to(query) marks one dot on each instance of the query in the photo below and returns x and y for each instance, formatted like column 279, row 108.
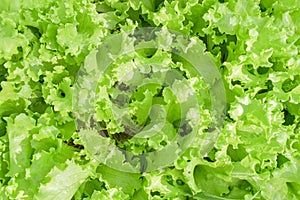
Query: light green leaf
column 62, row 183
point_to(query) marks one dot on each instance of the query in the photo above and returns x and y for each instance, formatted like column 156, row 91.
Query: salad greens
column 47, row 153
column 149, row 107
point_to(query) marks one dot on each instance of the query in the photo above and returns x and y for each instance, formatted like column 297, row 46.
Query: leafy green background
column 256, row 47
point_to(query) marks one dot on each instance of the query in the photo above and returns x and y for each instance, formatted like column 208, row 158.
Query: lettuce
column 149, row 126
